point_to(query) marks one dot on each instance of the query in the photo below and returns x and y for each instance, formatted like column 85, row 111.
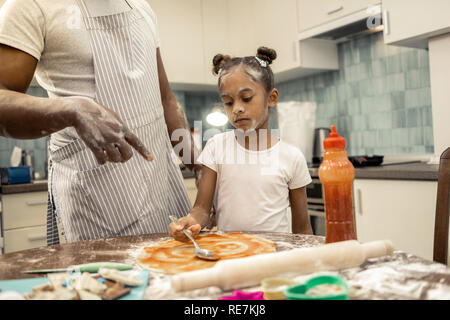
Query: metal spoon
column 199, row 253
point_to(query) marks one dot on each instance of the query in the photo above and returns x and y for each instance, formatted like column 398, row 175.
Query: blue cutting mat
column 25, row 285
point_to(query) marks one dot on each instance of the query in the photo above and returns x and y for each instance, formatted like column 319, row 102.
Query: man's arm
column 26, row 117
column 21, row 115
column 175, row 117
column 299, row 211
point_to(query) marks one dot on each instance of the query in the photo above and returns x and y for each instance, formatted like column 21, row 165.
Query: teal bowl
column 298, row 292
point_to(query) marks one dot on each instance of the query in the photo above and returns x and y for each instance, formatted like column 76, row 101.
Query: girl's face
column 246, row 101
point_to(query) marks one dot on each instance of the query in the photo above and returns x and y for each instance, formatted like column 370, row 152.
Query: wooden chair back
column 441, row 226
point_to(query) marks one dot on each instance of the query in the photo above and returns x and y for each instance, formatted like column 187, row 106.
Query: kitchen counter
column 398, row 276
column 42, row 185
column 408, row 171
column 35, row 186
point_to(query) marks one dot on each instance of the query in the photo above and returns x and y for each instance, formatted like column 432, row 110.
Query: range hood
column 349, row 27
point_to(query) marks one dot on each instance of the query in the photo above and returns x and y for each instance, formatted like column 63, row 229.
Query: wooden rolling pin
column 245, row 272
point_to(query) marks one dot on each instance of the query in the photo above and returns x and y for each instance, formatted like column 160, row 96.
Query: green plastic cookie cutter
column 298, row 292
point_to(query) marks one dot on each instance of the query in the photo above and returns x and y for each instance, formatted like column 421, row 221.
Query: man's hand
column 104, row 133
column 189, row 223
column 26, row 117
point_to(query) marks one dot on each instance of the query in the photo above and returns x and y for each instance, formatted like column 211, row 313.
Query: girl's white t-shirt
column 252, row 188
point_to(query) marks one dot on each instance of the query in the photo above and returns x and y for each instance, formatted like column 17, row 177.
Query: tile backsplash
column 379, row 99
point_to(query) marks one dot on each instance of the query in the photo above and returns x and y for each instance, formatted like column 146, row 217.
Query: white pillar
column 439, row 52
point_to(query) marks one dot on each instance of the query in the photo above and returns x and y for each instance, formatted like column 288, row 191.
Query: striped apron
column 94, row 201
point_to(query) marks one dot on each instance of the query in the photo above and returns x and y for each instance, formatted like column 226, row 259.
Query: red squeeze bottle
column 336, row 173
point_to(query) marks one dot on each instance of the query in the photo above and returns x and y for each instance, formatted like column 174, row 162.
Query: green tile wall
column 380, row 99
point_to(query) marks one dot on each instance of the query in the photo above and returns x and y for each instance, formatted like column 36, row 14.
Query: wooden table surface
column 398, row 276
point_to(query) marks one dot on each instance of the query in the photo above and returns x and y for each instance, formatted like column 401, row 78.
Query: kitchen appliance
column 15, row 175
column 28, row 160
column 296, row 124
column 364, row 161
column 360, row 23
column 316, row 207
column 319, row 136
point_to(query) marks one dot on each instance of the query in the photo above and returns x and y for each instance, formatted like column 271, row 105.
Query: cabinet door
column 312, row 13
column 181, row 39
column 24, row 209
column 397, row 210
column 25, row 238
column 245, row 26
column 234, row 27
column 408, row 19
column 216, row 34
column 282, row 34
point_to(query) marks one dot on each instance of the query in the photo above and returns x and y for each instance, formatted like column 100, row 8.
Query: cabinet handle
column 334, row 10
column 37, row 237
column 294, row 50
column 358, row 202
column 36, row 203
column 386, row 22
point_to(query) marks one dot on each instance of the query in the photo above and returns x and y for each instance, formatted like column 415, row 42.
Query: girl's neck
column 256, row 140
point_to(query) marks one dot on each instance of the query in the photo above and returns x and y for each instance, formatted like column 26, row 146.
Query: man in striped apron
column 97, row 189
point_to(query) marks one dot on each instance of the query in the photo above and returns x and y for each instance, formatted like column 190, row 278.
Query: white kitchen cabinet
column 193, row 31
column 24, row 217
column 411, row 22
column 233, row 27
column 274, row 24
column 295, row 58
column 216, row 34
column 312, row 13
column 283, row 36
column 399, row 210
column 22, row 210
column 246, row 26
column 180, row 26
column 24, row 221
column 25, row 238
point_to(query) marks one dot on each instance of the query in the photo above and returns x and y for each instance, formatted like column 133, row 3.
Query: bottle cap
column 334, row 141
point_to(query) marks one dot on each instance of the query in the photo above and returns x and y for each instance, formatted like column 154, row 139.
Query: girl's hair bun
column 219, row 61
column 266, row 54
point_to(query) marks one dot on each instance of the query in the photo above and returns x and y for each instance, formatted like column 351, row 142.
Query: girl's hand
column 189, row 223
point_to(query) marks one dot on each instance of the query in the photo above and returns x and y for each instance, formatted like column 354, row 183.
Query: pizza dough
column 173, row 257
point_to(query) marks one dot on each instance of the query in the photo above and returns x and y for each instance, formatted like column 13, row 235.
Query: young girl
column 251, row 177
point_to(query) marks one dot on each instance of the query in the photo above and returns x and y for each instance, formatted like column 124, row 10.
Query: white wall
column 440, row 91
